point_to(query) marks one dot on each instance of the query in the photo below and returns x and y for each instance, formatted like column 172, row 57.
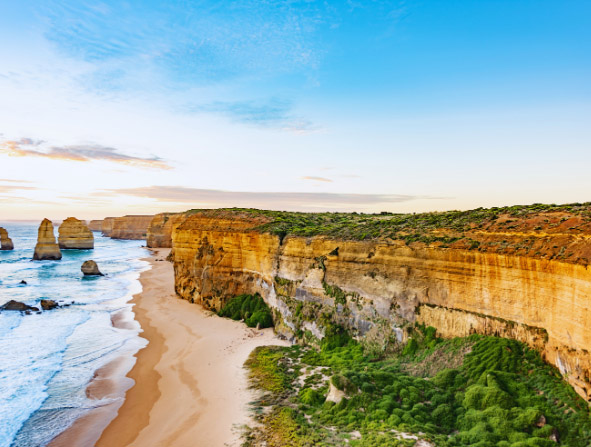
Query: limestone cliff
column 107, row 226
column 5, row 241
column 95, row 225
column 130, row 227
column 160, row 229
column 74, row 234
column 46, row 248
column 498, row 285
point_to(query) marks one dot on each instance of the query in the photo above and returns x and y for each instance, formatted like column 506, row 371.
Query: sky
column 137, row 107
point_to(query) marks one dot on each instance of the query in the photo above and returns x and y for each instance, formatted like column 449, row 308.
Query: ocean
column 48, row 359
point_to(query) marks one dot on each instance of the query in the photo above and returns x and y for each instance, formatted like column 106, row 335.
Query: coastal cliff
column 516, row 273
column 126, row 227
column 74, row 234
column 159, row 234
column 95, row 225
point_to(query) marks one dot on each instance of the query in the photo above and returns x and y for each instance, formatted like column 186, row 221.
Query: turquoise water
column 47, row 359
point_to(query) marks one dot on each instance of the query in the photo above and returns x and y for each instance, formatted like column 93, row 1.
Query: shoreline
column 187, row 387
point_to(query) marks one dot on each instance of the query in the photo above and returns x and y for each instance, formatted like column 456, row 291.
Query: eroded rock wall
column 130, row 227
column 74, row 234
column 107, row 226
column 46, row 248
column 5, row 241
column 159, row 233
column 364, row 285
column 95, row 225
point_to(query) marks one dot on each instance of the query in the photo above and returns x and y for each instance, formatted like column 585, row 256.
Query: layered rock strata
column 160, row 229
column 95, row 225
column 130, row 227
column 5, row 241
column 74, row 234
column 107, row 226
column 386, row 285
column 46, row 248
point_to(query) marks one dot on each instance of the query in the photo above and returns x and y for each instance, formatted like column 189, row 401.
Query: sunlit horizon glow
column 110, row 108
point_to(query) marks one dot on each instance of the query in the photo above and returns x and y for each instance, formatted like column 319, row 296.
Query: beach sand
column 190, row 385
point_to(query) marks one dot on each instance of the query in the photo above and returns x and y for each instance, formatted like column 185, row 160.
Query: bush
column 250, row 308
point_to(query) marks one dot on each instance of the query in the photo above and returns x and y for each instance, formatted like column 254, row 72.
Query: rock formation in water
column 46, row 248
column 95, row 225
column 160, row 229
column 90, row 268
column 510, row 272
column 13, row 305
column 74, row 234
column 5, row 241
column 48, row 304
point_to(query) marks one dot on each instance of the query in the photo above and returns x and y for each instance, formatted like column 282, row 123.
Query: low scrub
column 250, row 308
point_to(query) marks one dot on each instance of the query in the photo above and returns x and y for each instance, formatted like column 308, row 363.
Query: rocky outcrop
column 107, row 226
column 48, row 304
column 90, row 268
column 74, row 234
column 13, row 305
column 46, row 248
column 160, row 229
column 389, row 284
column 5, row 241
column 95, row 225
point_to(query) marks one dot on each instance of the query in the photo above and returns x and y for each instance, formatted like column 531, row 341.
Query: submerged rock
column 48, row 304
column 23, row 282
column 5, row 241
column 75, row 235
column 46, row 248
column 90, row 268
column 18, row 306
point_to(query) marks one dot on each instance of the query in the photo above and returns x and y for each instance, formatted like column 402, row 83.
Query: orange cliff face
column 95, row 225
column 159, row 234
column 127, row 227
column 386, row 285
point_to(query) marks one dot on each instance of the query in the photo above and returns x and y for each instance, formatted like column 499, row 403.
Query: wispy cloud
column 273, row 200
column 317, row 179
column 11, row 188
column 27, row 147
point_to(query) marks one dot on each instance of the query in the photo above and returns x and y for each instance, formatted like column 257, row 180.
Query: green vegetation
column 474, row 391
column 416, row 227
column 250, row 308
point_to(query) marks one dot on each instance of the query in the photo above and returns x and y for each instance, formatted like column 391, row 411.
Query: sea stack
column 46, row 248
column 5, row 241
column 89, row 268
column 74, row 234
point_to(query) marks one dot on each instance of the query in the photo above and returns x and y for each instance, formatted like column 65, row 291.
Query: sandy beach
column 188, row 387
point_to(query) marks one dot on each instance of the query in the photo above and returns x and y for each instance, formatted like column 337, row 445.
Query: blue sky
column 139, row 106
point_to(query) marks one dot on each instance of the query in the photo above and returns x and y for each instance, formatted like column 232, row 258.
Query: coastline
column 187, row 387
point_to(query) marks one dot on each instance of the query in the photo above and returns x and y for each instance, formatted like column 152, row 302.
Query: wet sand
column 188, row 387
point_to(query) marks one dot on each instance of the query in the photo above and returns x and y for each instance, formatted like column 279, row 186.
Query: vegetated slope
column 475, row 391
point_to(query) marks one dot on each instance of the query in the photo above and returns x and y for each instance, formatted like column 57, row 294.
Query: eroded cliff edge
column 511, row 272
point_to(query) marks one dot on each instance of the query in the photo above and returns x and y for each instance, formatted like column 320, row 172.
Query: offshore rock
column 5, row 241
column 75, row 235
column 17, row 306
column 90, row 268
column 46, row 248
column 48, row 304
column 107, row 226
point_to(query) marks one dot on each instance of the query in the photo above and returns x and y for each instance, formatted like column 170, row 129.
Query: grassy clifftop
column 543, row 231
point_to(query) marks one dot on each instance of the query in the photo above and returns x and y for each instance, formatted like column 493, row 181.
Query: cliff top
column 539, row 230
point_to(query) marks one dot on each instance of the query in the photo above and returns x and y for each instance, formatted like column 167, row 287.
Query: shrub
column 250, row 308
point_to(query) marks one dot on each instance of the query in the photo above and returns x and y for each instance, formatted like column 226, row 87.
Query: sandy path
column 190, row 385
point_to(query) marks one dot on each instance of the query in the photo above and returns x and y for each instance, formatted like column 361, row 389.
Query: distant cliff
column 160, row 229
column 130, row 227
column 95, row 225
column 519, row 272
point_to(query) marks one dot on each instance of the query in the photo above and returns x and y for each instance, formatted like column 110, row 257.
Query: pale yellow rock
column 544, row 303
column 46, row 248
column 95, row 225
column 5, row 241
column 160, row 229
column 131, row 227
column 74, row 234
